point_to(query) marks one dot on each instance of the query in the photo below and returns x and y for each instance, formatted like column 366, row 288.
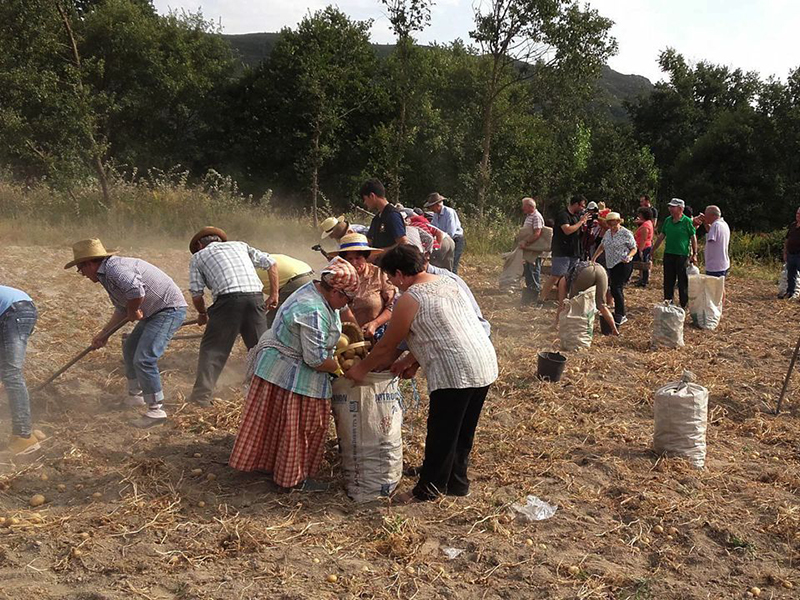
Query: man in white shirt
column 532, row 265
column 228, row 269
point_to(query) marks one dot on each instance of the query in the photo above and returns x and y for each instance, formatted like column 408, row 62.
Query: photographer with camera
column 566, row 247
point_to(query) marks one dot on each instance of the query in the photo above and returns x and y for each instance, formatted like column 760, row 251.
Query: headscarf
column 341, row 275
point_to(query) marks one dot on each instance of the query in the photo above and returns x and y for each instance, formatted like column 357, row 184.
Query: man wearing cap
column 446, row 219
column 228, row 269
column 292, row 275
column 388, row 228
column 680, row 249
column 17, row 320
column 141, row 293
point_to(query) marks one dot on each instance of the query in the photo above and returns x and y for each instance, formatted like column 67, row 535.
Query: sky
column 747, row 34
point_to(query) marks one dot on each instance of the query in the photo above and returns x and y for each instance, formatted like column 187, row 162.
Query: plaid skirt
column 282, row 433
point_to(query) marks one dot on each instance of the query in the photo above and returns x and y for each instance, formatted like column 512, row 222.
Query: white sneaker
column 622, row 320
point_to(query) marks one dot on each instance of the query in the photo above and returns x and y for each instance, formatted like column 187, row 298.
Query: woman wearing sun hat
column 373, row 300
column 619, row 247
column 286, row 415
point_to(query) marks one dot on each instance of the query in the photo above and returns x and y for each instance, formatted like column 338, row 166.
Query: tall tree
column 406, row 17
column 320, row 75
column 519, row 37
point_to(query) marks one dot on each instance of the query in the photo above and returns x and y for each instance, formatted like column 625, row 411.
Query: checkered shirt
column 130, row 278
column 227, row 268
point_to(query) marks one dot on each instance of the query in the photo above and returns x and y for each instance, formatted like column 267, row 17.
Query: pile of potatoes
column 349, row 356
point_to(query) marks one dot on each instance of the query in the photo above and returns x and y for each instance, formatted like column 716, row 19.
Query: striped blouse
column 447, row 338
column 303, row 336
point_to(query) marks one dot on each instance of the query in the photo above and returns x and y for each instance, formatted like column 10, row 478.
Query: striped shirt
column 534, row 220
column 130, row 278
column 227, row 268
column 487, row 327
column 447, row 339
column 303, row 336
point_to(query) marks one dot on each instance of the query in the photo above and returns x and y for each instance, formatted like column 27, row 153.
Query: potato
column 361, row 352
column 349, row 354
column 343, row 342
column 348, row 364
column 37, row 500
column 197, row 471
column 356, row 360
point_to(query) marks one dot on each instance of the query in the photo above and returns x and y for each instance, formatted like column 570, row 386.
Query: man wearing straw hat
column 446, row 219
column 228, row 269
column 141, row 293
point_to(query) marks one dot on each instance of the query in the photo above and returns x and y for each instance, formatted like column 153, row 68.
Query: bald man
column 532, row 261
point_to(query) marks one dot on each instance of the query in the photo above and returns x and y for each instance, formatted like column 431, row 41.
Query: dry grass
column 632, row 525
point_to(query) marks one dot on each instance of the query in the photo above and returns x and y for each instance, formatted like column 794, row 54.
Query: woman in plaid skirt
column 286, row 415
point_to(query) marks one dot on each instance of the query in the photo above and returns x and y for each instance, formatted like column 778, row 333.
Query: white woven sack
column 705, row 300
column 667, row 325
column 369, row 419
column 680, row 418
column 576, row 323
column 783, row 283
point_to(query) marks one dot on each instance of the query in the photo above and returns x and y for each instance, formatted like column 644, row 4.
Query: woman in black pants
column 620, row 248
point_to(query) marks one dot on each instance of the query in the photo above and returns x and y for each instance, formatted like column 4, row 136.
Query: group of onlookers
column 587, row 235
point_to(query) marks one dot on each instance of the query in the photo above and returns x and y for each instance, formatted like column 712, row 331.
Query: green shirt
column 678, row 235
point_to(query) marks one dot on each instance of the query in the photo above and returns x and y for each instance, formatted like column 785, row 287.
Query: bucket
column 605, row 328
column 550, row 366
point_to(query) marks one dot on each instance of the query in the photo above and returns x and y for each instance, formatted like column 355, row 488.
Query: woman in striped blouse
column 446, row 339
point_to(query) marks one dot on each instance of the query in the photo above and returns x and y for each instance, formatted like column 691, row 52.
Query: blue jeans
column 16, row 326
column 141, row 351
column 792, row 267
column 460, row 243
column 533, row 274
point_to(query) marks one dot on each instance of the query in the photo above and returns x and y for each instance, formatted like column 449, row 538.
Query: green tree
column 318, row 76
column 407, row 96
column 522, row 37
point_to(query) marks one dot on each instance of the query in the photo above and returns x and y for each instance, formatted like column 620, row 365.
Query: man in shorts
column 566, row 247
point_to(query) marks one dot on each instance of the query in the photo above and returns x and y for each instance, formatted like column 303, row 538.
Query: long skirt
column 281, row 433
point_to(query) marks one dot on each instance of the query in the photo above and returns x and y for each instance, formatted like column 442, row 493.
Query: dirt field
column 128, row 514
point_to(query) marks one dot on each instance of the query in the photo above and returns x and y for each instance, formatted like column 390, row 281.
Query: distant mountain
column 613, row 87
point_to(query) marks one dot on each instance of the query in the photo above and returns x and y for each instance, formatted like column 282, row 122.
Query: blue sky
column 755, row 35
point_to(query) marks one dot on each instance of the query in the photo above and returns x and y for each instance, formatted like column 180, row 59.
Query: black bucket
column 550, row 366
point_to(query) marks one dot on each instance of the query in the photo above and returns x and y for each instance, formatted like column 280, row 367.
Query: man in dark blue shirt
column 388, row 228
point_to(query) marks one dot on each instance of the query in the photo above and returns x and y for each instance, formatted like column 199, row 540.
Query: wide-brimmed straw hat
column 329, row 224
column 613, row 216
column 354, row 242
column 434, row 199
column 203, row 233
column 88, row 250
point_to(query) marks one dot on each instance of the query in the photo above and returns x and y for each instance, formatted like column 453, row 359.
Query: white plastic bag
column 369, row 419
column 680, row 414
column 576, row 323
column 692, row 270
column 783, row 283
column 705, row 300
column 667, row 325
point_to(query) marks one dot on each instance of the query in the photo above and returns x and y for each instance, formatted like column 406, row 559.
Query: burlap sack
column 680, row 414
column 368, row 420
column 705, row 300
column 667, row 326
column 576, row 323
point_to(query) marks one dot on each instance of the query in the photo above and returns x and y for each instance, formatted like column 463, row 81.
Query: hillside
column 613, row 87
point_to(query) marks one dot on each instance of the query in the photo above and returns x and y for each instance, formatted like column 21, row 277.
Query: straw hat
column 434, row 199
column 329, row 224
column 87, row 250
column 354, row 242
column 203, row 233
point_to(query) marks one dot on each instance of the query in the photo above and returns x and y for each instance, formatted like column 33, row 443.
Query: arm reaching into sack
column 384, row 351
